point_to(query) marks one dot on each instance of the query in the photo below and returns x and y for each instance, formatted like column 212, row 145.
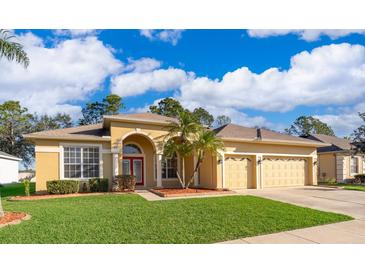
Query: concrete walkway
column 347, row 202
column 352, row 232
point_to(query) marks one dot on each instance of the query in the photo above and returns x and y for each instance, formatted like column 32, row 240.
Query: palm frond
column 12, row 50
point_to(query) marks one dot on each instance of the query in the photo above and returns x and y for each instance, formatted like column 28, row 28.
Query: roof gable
column 336, row 143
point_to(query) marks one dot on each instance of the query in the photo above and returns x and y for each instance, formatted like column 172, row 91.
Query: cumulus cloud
column 333, row 74
column 345, row 120
column 139, row 81
column 75, row 32
column 57, row 76
column 144, row 64
column 169, row 36
column 304, row 34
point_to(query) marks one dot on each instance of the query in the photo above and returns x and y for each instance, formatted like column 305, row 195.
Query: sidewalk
column 351, row 232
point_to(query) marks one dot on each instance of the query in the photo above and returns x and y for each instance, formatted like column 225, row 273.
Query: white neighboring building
column 9, row 168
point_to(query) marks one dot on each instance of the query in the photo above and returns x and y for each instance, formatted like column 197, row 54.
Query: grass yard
column 129, row 218
column 354, row 187
column 351, row 186
column 15, row 189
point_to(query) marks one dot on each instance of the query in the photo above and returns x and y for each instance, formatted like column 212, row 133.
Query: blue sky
column 264, row 78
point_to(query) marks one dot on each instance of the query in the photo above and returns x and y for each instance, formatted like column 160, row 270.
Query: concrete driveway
column 347, row 202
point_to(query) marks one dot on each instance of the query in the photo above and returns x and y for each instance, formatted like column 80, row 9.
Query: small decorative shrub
column 359, row 179
column 124, row 182
column 26, row 184
column 98, row 184
column 63, row 186
column 331, row 181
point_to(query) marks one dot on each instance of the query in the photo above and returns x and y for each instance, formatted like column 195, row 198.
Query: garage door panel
column 238, row 171
column 284, row 171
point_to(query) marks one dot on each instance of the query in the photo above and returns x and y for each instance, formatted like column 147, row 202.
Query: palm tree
column 179, row 140
column 187, row 137
column 206, row 142
column 12, row 50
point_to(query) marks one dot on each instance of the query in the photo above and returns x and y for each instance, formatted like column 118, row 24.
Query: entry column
column 159, row 170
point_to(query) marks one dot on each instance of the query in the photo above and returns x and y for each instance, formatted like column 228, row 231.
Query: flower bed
column 13, row 218
column 179, row 192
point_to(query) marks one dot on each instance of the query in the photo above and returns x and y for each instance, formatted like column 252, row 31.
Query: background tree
column 12, row 50
column 93, row 113
column 305, row 125
column 222, row 120
column 358, row 135
column 14, row 122
column 47, row 122
column 203, row 117
column 168, row 107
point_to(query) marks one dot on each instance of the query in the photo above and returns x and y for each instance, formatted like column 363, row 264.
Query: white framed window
column 81, row 162
column 169, row 167
column 354, row 165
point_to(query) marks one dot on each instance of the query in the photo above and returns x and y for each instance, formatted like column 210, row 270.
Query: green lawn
column 131, row 219
column 15, row 189
column 350, row 186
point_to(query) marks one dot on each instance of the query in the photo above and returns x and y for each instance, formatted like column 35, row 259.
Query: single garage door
column 238, row 171
column 284, row 171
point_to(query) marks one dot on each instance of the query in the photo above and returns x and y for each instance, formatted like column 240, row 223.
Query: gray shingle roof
column 241, row 132
column 337, row 144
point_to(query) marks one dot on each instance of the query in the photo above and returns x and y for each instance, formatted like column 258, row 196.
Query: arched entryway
column 138, row 158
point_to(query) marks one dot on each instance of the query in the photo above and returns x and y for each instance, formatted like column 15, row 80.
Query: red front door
column 134, row 166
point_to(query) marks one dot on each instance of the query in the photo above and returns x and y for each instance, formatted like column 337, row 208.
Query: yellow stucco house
column 335, row 161
column 133, row 144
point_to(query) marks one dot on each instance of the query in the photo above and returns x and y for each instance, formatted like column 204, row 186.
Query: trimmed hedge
column 62, row 186
column 359, row 179
column 124, row 182
column 99, row 185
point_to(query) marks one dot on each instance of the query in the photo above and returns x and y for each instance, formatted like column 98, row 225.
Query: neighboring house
column 133, row 144
column 335, row 160
column 9, row 166
column 26, row 174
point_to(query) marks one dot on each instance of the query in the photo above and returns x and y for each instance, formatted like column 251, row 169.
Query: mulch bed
column 13, row 218
column 179, row 192
column 55, row 196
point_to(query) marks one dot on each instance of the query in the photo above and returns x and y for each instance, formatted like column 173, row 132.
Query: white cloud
column 304, row 34
column 160, row 80
column 57, row 76
column 345, row 121
column 333, row 74
column 75, row 32
column 168, row 35
column 142, row 65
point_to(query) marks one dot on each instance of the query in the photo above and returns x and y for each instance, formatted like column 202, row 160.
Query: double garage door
column 276, row 171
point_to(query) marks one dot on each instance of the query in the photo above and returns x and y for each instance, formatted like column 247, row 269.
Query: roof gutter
column 66, row 137
column 272, row 141
column 110, row 118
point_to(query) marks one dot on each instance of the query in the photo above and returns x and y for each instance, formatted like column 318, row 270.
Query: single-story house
column 133, row 144
column 335, row 161
column 9, row 167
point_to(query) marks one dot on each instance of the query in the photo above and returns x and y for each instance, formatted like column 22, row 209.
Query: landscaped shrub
column 26, row 184
column 62, row 186
column 359, row 179
column 98, row 184
column 124, row 182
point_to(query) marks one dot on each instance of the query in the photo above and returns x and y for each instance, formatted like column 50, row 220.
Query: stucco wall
column 327, row 166
column 8, row 171
column 47, row 162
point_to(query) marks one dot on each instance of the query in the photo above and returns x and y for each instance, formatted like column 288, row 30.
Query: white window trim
column 62, row 164
column 136, row 144
column 143, row 155
column 358, row 165
column 154, row 169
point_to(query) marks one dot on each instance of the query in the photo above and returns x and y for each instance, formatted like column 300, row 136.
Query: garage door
column 284, row 171
column 238, row 171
